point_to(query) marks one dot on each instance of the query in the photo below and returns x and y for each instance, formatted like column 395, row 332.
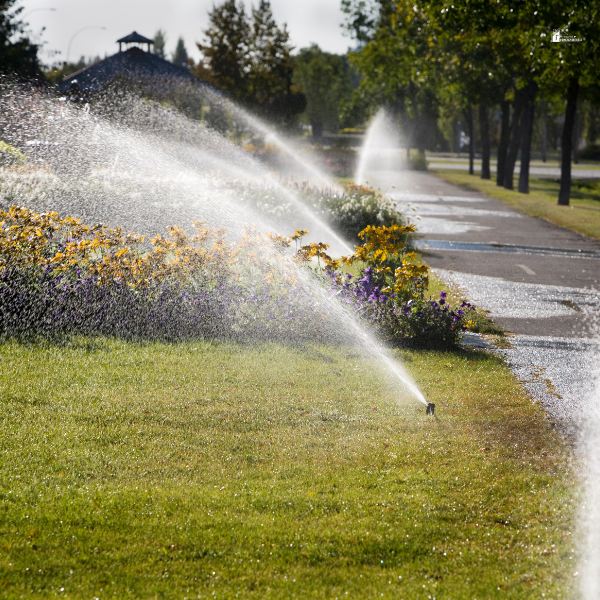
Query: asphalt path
column 545, row 172
column 538, row 280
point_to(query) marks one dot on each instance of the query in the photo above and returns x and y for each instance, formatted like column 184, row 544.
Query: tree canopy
column 248, row 56
column 18, row 54
column 160, row 39
column 423, row 54
column 326, row 79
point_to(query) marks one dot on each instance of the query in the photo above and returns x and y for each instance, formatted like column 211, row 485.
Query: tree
column 18, row 56
column 573, row 67
column 225, row 61
column 326, row 79
column 249, row 57
column 160, row 39
column 396, row 63
column 270, row 64
column 180, row 56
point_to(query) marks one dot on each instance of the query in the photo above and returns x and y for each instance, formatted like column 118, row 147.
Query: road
column 537, row 280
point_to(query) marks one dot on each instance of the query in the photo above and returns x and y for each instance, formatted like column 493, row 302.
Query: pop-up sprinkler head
column 430, row 409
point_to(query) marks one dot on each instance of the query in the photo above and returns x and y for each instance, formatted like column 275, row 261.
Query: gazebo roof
column 135, row 64
column 135, row 38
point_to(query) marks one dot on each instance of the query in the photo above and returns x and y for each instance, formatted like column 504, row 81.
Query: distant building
column 138, row 65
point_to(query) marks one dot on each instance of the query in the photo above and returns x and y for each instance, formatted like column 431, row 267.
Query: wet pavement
column 539, row 281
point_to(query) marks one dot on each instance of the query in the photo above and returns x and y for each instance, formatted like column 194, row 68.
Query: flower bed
column 390, row 292
column 59, row 277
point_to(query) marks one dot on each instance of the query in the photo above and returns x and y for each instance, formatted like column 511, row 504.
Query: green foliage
column 326, row 79
column 396, row 63
column 347, row 212
column 354, row 210
column 418, row 161
column 225, row 54
column 160, row 39
column 590, row 152
column 180, row 56
column 10, row 155
column 249, row 57
column 18, row 54
column 419, row 56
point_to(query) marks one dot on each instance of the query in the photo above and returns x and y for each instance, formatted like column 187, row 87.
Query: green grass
column 219, row 470
column 582, row 216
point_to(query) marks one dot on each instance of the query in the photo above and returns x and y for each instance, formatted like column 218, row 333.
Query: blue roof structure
column 137, row 65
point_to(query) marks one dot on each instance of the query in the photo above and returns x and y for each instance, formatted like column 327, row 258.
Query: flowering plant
column 59, row 276
column 389, row 291
column 347, row 211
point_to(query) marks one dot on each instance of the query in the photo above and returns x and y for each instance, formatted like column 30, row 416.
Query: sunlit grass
column 179, row 471
column 583, row 214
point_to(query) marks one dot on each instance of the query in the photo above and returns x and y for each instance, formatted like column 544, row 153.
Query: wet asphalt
column 539, row 281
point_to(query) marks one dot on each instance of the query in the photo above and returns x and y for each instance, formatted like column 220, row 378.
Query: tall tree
column 249, row 57
column 160, row 39
column 180, row 56
column 484, row 126
column 270, row 65
column 396, row 61
column 326, row 79
column 572, row 67
column 18, row 54
column 225, row 61
column 527, row 134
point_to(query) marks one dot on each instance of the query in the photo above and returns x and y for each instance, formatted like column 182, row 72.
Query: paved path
column 538, row 280
column 543, row 172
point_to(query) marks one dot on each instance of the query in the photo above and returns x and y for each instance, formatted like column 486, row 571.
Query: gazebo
column 134, row 38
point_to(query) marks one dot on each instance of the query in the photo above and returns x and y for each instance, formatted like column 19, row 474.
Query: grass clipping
column 211, row 469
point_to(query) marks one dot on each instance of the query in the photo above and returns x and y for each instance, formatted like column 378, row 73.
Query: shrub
column 418, row 162
column 11, row 156
column 590, row 152
column 348, row 211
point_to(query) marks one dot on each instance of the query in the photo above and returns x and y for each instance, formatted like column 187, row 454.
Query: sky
column 308, row 21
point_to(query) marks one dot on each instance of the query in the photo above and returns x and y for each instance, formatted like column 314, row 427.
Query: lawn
column 218, row 470
column 583, row 214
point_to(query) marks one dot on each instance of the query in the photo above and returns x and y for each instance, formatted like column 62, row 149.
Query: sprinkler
column 430, row 409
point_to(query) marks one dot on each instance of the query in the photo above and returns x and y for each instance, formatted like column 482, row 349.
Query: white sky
column 307, row 20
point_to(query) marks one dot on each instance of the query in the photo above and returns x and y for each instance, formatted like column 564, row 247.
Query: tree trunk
column 317, row 130
column 515, row 139
column 418, row 121
column 528, row 114
column 484, row 126
column 567, row 142
column 577, row 133
column 455, row 137
column 503, row 144
column 544, row 132
column 470, row 129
